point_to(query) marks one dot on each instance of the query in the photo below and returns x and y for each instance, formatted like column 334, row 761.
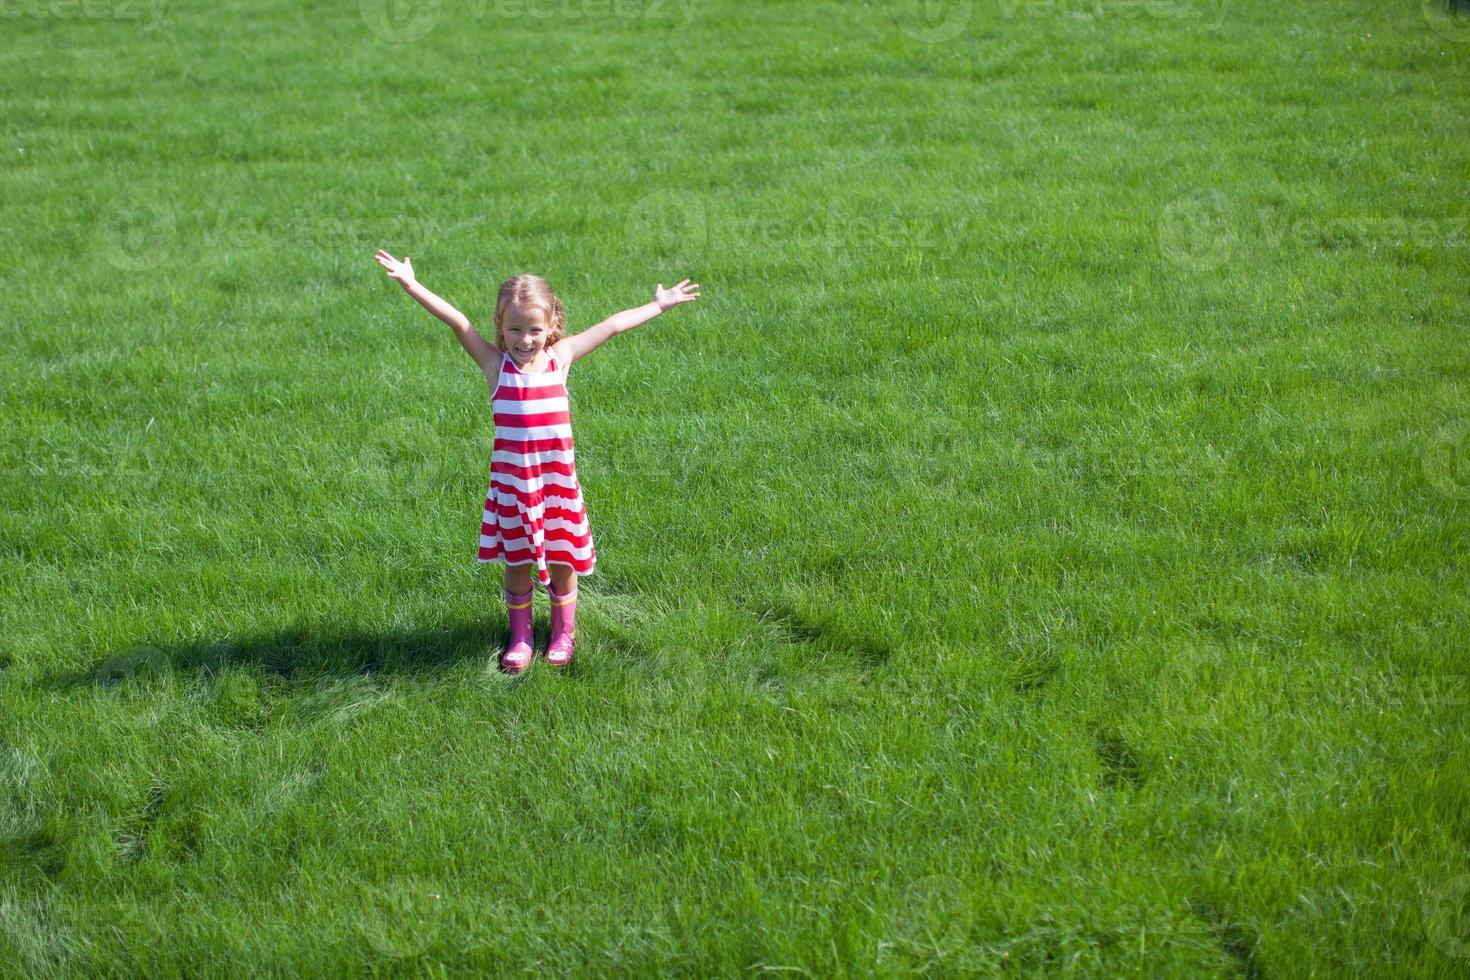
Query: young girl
column 534, row 514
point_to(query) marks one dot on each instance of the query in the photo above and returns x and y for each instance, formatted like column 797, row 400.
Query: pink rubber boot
column 563, row 627
column 517, row 657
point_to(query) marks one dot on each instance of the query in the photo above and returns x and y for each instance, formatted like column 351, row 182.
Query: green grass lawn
column 1043, row 550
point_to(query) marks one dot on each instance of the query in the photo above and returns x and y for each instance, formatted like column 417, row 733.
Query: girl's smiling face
column 524, row 332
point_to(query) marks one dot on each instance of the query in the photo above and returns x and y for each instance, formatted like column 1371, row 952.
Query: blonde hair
column 529, row 290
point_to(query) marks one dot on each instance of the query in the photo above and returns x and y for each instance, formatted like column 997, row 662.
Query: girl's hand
column 681, row 293
column 402, row 271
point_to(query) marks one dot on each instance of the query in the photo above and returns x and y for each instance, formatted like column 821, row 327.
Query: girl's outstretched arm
column 584, row 343
column 476, row 346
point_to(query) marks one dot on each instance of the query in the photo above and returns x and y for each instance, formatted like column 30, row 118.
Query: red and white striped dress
column 534, row 511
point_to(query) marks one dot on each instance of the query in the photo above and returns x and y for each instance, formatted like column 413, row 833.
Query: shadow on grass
column 302, row 653
column 614, row 625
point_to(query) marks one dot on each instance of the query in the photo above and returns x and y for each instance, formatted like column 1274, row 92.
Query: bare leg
column 518, row 578
column 563, row 577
